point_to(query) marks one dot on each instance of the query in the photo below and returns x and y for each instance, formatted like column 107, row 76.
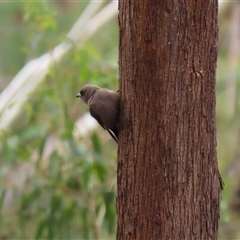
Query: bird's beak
column 78, row 95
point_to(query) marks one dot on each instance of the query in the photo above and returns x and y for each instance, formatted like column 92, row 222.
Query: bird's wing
column 97, row 117
column 112, row 135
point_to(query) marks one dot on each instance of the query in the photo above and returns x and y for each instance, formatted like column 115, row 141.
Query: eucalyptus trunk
column 169, row 185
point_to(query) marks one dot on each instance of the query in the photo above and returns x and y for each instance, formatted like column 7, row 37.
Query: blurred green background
column 56, row 183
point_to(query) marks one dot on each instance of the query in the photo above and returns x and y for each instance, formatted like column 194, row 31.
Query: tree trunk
column 168, row 181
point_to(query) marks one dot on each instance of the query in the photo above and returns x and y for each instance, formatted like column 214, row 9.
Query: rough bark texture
column 168, row 180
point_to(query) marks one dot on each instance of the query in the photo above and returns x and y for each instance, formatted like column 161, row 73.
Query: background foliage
column 54, row 184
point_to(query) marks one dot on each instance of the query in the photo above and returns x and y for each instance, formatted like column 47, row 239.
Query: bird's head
column 87, row 92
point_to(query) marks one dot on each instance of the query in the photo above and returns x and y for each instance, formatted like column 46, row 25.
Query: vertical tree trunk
column 168, row 180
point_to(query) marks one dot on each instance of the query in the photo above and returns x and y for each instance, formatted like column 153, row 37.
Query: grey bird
column 104, row 106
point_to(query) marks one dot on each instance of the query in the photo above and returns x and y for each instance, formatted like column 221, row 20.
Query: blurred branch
column 92, row 8
column 225, row 9
column 233, row 59
column 98, row 20
column 26, row 81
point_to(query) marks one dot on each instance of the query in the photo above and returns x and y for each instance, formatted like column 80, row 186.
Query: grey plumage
column 104, row 106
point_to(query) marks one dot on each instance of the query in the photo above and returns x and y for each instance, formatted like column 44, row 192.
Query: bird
column 104, row 106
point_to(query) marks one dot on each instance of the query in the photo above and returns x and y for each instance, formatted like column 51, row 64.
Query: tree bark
column 168, row 180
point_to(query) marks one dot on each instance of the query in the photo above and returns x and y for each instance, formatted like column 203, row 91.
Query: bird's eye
column 81, row 92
